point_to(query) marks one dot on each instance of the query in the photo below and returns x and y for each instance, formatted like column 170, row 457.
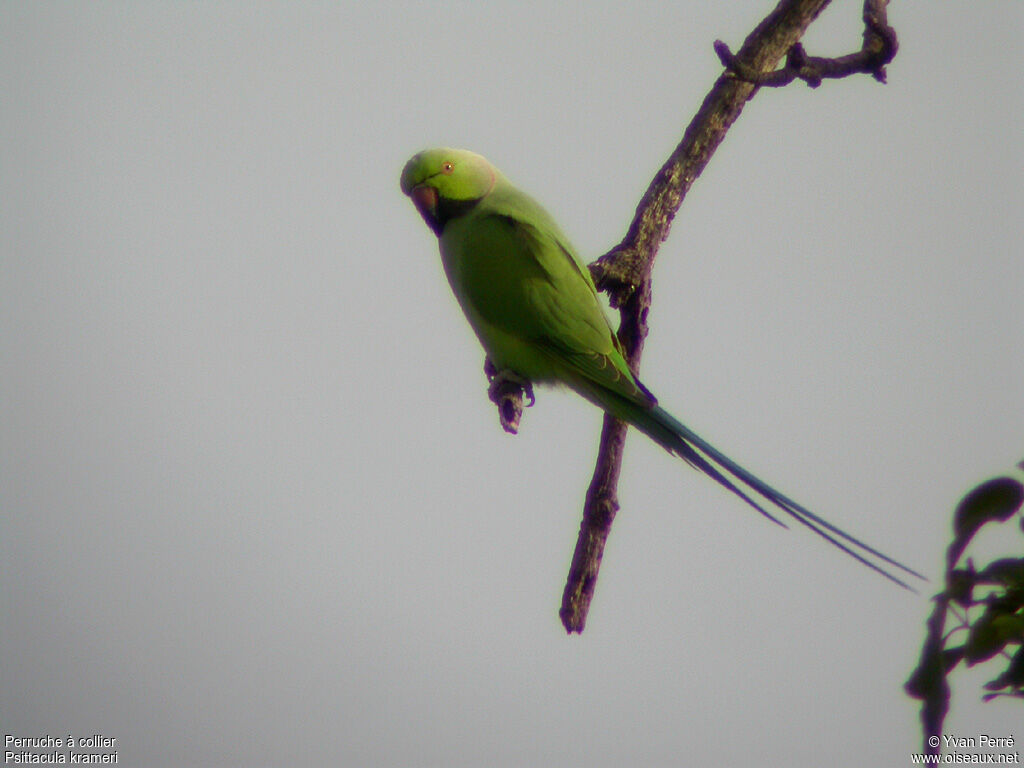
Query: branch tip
column 878, row 49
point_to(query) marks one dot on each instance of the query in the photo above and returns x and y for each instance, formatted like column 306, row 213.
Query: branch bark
column 879, row 48
column 624, row 272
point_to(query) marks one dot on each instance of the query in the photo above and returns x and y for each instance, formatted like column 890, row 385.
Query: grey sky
column 256, row 507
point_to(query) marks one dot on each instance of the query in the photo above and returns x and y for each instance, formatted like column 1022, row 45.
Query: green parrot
column 534, row 307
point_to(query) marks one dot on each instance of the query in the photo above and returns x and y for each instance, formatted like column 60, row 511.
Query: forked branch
column 879, row 48
column 624, row 272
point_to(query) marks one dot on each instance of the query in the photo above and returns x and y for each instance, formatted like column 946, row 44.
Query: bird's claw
column 506, row 390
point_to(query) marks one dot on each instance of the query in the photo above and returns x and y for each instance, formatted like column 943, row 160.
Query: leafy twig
column 998, row 630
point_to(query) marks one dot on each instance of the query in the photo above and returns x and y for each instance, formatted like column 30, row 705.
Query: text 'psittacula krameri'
column 533, row 305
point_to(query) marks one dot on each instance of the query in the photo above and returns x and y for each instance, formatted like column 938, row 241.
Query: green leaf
column 1008, row 572
column 1010, row 627
column 1015, row 695
column 991, row 632
column 994, row 500
column 1013, row 676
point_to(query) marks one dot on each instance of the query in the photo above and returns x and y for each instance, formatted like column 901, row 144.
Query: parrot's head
column 444, row 183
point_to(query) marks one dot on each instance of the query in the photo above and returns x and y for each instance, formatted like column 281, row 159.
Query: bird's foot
column 506, row 390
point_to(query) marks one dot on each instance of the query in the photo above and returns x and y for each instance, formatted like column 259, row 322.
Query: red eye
column 447, row 167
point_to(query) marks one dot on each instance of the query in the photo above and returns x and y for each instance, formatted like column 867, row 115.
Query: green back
column 529, row 296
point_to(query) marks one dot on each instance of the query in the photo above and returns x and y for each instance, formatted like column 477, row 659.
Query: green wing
column 532, row 301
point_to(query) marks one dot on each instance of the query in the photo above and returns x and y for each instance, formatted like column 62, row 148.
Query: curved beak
column 425, row 198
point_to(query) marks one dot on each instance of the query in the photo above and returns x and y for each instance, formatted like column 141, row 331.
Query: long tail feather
column 677, row 438
column 688, row 443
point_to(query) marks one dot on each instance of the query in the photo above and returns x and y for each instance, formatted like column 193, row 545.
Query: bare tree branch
column 879, row 48
column 624, row 272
